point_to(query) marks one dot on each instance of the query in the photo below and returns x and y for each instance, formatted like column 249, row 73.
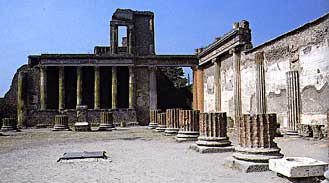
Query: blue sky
column 61, row 26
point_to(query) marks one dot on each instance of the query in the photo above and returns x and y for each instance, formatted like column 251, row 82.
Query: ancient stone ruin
column 61, row 123
column 189, row 125
column 213, row 134
column 256, row 146
column 172, row 121
column 161, row 119
column 106, row 121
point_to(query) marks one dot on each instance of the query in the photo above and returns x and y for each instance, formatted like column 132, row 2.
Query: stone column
column 237, row 85
column 114, row 88
column 172, row 121
column 200, row 92
column 161, row 120
column 195, row 89
column 153, row 89
column 61, row 123
column 61, row 88
column 189, row 125
column 8, row 124
column 260, row 83
column 43, row 88
column 21, row 99
column 132, row 95
column 130, row 39
column 256, row 145
column 106, row 121
column 79, row 86
column 217, row 85
column 97, row 88
column 114, row 38
column 153, row 119
column 213, row 134
column 294, row 106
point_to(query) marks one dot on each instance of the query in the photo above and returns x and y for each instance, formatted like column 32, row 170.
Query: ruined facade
column 288, row 75
column 120, row 78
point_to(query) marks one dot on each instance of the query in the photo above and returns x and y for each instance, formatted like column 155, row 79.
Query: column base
column 105, row 127
column 82, row 127
column 213, row 141
column 257, row 155
column 171, row 131
column 207, row 149
column 152, row 125
column 160, row 128
column 184, row 136
column 60, row 128
column 245, row 166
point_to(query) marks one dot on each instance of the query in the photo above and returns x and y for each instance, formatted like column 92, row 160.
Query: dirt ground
column 137, row 154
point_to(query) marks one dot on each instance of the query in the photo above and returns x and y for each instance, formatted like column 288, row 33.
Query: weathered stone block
column 297, row 167
column 61, row 123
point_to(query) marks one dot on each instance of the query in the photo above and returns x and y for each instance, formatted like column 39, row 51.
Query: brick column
column 260, row 83
column 153, row 89
column 114, row 88
column 132, row 95
column 61, row 88
column 200, row 92
column 256, row 145
column 172, row 121
column 61, row 123
column 153, row 119
column 97, row 88
column 161, row 120
column 195, row 89
column 21, row 99
column 294, row 106
column 43, row 88
column 106, row 121
column 213, row 134
column 79, row 86
column 189, row 125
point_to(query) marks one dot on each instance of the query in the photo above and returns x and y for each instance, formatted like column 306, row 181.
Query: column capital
column 259, row 57
column 234, row 50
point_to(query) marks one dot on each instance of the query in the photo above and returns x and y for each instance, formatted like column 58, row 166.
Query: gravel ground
column 137, row 155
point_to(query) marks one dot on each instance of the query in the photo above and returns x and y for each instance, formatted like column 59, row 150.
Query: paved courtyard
column 137, row 154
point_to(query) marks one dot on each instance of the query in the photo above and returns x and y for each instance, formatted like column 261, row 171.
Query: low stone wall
column 47, row 117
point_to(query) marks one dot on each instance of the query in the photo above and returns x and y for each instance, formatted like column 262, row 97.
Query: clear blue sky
column 72, row 26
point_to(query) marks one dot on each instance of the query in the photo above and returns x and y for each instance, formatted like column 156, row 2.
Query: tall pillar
column 189, row 125
column 21, row 99
column 114, row 88
column 200, row 92
column 61, row 88
column 260, row 83
column 97, row 88
column 153, row 89
column 217, row 85
column 237, row 85
column 195, row 89
column 79, row 86
column 294, row 106
column 132, row 95
column 43, row 88
column 130, row 39
column 256, row 143
column 114, row 38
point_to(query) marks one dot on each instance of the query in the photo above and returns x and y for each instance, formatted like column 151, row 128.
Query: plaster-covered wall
column 305, row 51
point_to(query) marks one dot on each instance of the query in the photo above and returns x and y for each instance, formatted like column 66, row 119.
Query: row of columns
column 61, row 88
